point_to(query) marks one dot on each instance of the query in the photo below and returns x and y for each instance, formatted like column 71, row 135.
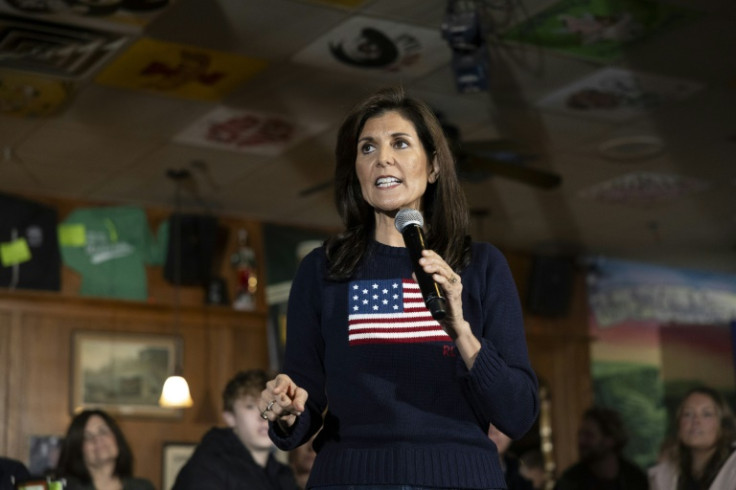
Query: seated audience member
column 531, row 467
column 509, row 464
column 241, row 455
column 96, row 456
column 301, row 460
column 601, row 440
column 12, row 471
column 704, row 456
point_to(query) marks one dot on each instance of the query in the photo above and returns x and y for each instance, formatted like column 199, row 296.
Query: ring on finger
column 453, row 279
column 264, row 413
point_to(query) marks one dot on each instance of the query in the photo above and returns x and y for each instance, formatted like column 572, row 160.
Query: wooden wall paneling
column 5, row 377
column 559, row 349
column 37, row 333
column 249, row 349
column 20, row 382
column 558, row 363
column 44, row 374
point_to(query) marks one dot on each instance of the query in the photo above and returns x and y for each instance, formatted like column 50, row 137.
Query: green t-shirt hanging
column 109, row 247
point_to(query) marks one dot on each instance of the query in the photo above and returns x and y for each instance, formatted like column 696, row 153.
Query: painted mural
column 657, row 332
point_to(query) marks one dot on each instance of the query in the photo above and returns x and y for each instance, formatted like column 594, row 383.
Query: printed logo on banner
column 26, row 95
column 175, row 69
column 617, row 94
column 598, row 29
column 252, row 132
column 644, row 188
column 371, row 46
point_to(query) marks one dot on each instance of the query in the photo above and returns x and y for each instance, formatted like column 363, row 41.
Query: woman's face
column 699, row 422
column 392, row 166
column 100, row 446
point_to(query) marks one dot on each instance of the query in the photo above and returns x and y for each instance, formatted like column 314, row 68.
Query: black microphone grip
column 433, row 296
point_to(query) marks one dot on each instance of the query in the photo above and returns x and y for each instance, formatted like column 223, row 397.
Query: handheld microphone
column 409, row 222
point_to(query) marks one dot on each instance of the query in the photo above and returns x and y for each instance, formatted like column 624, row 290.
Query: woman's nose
column 385, row 156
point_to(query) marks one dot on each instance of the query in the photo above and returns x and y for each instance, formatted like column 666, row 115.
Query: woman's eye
column 366, row 148
column 401, row 144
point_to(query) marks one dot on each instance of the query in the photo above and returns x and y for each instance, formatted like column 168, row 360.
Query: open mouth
column 387, row 181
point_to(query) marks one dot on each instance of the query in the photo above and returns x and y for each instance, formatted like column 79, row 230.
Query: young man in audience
column 601, row 440
column 240, row 455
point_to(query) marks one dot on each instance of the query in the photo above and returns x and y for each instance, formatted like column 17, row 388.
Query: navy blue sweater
column 403, row 408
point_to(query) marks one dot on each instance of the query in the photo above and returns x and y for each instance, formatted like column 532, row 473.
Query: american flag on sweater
column 390, row 311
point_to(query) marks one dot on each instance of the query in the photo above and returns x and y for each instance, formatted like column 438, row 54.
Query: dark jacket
column 222, row 462
column 579, row 477
column 514, row 480
column 10, row 468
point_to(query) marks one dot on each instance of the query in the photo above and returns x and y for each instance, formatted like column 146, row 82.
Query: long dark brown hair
column 444, row 206
column 71, row 458
column 724, row 443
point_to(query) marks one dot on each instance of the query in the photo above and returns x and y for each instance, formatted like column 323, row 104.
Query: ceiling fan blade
column 521, row 173
column 308, row 191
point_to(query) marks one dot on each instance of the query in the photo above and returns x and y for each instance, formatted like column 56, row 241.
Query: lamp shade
column 175, row 393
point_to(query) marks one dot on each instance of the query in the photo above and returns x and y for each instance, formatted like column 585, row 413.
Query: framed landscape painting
column 122, row 373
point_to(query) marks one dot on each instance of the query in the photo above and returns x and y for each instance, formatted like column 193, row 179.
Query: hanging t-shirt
column 109, row 247
column 29, row 248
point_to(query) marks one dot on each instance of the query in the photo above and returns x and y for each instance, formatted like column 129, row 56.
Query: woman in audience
column 96, row 456
column 704, row 457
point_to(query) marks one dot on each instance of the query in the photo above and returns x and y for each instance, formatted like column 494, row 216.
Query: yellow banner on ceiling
column 28, row 95
column 179, row 70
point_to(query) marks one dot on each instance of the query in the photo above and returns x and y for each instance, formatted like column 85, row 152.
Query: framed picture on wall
column 43, row 453
column 175, row 454
column 122, row 373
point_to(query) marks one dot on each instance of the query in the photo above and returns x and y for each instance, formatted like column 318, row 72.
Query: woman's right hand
column 282, row 401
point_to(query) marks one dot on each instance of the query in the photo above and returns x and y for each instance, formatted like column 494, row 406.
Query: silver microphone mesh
column 406, row 217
